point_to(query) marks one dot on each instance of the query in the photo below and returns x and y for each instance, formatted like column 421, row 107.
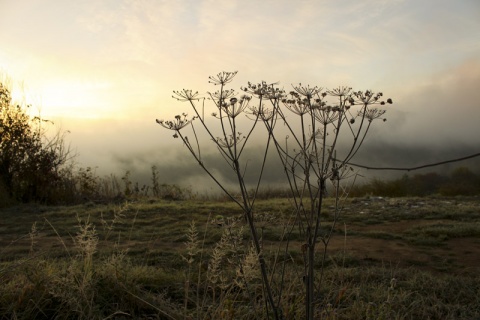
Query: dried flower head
column 177, row 124
column 222, row 95
column 234, row 106
column 185, row 95
column 275, row 93
column 389, row 101
column 340, row 91
column 296, row 103
column 369, row 97
column 303, row 100
column 297, row 106
column 262, row 112
column 308, row 92
column 372, row 114
column 222, row 78
column 263, row 90
column 230, row 141
column 327, row 114
column 338, row 173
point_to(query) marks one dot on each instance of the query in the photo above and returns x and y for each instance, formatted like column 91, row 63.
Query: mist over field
column 426, row 124
column 106, row 70
column 175, row 166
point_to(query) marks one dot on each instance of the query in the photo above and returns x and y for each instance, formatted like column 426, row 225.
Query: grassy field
column 397, row 258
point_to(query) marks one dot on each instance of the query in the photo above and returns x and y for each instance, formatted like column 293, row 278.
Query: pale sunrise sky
column 104, row 70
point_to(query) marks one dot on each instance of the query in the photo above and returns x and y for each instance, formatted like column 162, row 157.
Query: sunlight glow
column 74, row 99
column 106, row 69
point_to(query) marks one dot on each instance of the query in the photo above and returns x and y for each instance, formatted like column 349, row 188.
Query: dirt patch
column 395, row 227
column 378, row 249
column 455, row 255
column 466, row 252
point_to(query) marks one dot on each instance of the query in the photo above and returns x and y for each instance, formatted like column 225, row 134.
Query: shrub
column 462, row 181
column 30, row 164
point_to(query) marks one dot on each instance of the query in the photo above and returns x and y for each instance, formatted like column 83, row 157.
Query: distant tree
column 425, row 184
column 155, row 183
column 29, row 163
column 128, row 184
column 462, row 181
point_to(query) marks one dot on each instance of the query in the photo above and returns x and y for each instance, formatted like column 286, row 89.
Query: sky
column 105, row 70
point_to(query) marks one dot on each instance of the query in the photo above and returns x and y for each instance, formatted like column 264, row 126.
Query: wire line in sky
column 417, row 167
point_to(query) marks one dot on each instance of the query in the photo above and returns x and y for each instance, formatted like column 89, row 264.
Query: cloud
column 120, row 61
column 439, row 109
column 176, row 166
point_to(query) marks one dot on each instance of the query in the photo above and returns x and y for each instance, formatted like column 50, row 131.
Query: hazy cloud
column 106, row 69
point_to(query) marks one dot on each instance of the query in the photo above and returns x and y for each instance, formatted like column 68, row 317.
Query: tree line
column 461, row 181
column 37, row 168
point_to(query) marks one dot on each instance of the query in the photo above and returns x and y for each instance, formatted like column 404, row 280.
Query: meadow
column 389, row 258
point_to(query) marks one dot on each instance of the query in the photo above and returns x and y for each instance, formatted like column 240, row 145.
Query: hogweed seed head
column 221, row 96
column 222, row 78
column 262, row 112
column 297, row 106
column 369, row 97
column 230, row 141
column 307, row 91
column 264, row 90
column 235, row 107
column 326, row 115
column 177, row 124
column 372, row 114
column 340, row 91
column 185, row 95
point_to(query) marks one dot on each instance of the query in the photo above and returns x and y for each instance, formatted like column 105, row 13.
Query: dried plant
column 308, row 149
column 33, row 234
column 118, row 215
column 86, row 242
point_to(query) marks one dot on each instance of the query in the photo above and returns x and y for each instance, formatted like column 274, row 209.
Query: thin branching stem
column 308, row 166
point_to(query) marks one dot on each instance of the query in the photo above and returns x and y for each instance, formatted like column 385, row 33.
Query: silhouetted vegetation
column 30, row 164
column 461, row 181
column 36, row 169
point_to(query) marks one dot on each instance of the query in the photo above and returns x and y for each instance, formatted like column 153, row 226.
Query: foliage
column 87, row 186
column 461, row 181
column 30, row 165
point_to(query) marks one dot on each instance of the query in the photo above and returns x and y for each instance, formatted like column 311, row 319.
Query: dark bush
column 30, row 164
column 462, row 181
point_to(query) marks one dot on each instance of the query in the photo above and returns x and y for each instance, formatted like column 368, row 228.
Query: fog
column 428, row 123
column 105, row 70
